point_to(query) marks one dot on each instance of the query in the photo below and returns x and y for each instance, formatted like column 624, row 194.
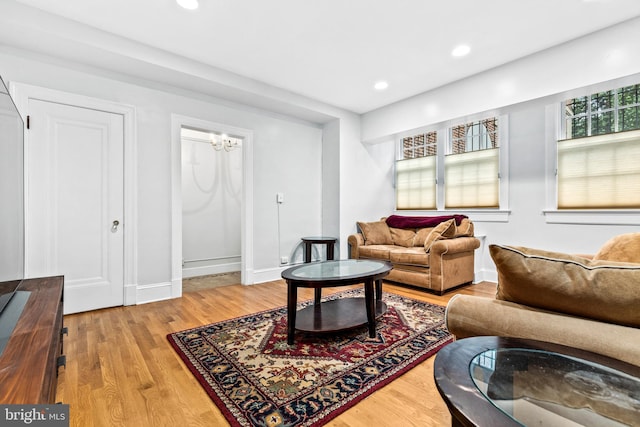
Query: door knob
column 115, row 225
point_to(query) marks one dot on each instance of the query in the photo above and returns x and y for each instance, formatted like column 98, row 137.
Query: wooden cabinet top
column 26, row 362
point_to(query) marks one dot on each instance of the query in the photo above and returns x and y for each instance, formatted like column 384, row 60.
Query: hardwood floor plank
column 121, row 370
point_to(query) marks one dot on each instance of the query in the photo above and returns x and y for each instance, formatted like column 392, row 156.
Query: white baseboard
column 270, row 274
column 210, row 269
column 164, row 291
column 486, row 276
column 130, row 294
column 154, row 292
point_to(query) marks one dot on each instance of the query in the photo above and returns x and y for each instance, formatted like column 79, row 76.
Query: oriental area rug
column 256, row 379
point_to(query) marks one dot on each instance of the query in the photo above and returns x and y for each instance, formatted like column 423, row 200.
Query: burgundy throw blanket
column 397, row 221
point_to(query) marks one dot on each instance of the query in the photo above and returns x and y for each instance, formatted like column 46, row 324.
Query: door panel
column 74, row 195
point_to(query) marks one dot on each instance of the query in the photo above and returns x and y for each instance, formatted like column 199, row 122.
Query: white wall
column 293, row 169
column 526, row 225
column 294, row 157
column 287, row 158
column 331, row 185
column 366, row 191
column 601, row 56
column 523, row 90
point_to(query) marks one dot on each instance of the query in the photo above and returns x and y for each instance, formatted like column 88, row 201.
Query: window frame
column 555, row 130
column 443, row 142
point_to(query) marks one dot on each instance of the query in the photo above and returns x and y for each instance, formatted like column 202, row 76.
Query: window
column 599, row 159
column 416, row 172
column 472, row 166
column 453, row 167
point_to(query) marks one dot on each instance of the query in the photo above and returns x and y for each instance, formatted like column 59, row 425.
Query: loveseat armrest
column 452, row 246
column 468, row 316
column 355, row 241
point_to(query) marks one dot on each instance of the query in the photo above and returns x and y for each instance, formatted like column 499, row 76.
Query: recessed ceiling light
column 461, row 50
column 188, row 4
column 381, row 85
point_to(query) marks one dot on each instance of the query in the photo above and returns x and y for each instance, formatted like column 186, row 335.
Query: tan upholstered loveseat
column 591, row 303
column 435, row 253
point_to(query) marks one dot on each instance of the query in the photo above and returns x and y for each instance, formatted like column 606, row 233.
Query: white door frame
column 21, row 93
column 246, row 209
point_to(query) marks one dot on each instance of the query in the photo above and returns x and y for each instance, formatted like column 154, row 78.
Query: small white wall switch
column 284, row 260
column 279, row 197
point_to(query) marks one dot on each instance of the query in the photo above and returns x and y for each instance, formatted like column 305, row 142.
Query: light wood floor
column 121, row 370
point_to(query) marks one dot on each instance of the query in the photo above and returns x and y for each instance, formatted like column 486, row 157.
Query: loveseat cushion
column 412, row 256
column 376, row 251
column 622, row 248
column 376, row 233
column 402, row 236
column 603, row 290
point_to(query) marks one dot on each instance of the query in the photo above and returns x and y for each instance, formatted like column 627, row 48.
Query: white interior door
column 75, row 202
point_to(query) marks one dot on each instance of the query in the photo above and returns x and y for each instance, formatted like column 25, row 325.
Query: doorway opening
column 212, row 202
column 211, row 206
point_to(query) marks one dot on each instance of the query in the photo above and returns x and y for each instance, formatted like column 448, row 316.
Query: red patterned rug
column 256, row 379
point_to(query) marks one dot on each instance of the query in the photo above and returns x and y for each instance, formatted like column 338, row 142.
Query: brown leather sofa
column 586, row 302
column 434, row 253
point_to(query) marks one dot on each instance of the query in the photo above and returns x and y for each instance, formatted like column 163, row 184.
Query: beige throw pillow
column 444, row 230
column 376, row 233
column 622, row 248
column 603, row 290
column 465, row 229
column 421, row 236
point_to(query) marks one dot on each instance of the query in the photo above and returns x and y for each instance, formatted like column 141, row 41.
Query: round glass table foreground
column 514, row 382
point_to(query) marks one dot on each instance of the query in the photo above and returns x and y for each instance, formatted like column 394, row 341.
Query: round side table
column 329, row 242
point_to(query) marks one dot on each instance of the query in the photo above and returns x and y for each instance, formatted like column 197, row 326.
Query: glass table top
column 536, row 387
column 341, row 269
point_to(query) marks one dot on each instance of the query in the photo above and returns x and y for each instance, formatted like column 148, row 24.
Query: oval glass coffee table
column 516, row 382
column 339, row 314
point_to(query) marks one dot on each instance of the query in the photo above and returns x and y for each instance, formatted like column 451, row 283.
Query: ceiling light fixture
column 461, row 50
column 188, row 4
column 381, row 85
column 219, row 142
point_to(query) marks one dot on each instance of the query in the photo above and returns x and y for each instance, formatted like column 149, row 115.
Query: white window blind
column 472, row 179
column 416, row 183
column 599, row 172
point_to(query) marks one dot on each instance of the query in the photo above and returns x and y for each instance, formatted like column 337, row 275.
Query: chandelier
column 219, row 142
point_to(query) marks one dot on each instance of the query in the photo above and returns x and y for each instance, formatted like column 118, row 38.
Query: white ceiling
column 333, row 51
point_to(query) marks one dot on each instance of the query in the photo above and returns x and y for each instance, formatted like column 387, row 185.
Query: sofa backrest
column 607, row 291
column 380, row 233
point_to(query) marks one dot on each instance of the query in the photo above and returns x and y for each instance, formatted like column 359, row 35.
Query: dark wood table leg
column 330, row 251
column 292, row 299
column 370, row 303
column 317, row 293
column 379, row 290
column 307, row 251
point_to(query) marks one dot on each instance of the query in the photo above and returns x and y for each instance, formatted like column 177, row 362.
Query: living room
column 334, row 166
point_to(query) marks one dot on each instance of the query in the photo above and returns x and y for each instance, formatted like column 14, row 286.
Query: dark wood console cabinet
column 29, row 364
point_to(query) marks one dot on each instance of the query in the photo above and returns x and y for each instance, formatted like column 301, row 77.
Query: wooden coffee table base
column 339, row 314
column 336, row 315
